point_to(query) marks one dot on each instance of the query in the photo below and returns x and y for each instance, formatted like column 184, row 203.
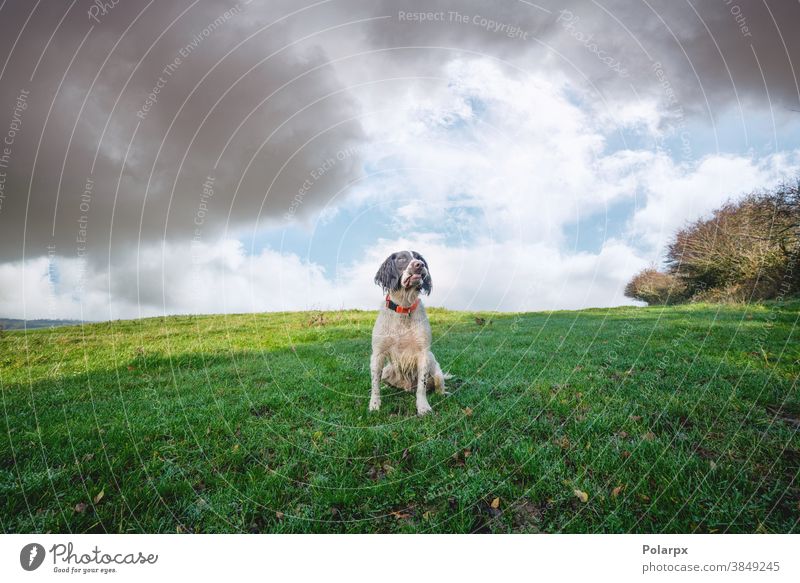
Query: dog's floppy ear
column 427, row 283
column 388, row 277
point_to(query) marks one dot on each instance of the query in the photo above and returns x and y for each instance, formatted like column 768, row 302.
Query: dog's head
column 404, row 270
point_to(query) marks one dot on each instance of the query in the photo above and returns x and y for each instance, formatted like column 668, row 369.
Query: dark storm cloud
column 277, row 115
column 171, row 101
column 712, row 52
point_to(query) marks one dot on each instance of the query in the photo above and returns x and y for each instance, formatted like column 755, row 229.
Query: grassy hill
column 680, row 419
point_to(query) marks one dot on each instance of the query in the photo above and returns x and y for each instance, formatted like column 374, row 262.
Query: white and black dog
column 402, row 333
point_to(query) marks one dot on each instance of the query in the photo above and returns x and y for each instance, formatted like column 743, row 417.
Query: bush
column 743, row 246
column 747, row 250
column 655, row 287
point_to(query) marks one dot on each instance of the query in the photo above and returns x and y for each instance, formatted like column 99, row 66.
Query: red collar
column 400, row 309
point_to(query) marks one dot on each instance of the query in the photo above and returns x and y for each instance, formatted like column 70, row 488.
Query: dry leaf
column 99, row 496
column 495, row 503
column 615, row 492
column 468, row 412
column 636, row 417
column 80, row 507
column 582, row 496
column 426, row 515
column 649, row 436
column 279, row 515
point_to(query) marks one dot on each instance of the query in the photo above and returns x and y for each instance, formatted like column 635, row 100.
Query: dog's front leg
column 375, row 369
column 422, row 385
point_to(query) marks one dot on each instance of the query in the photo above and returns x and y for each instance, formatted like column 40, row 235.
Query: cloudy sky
column 209, row 156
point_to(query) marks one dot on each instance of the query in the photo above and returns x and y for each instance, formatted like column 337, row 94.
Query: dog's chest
column 400, row 336
column 408, row 339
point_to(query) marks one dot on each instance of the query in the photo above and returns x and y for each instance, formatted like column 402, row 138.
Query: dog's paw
column 423, row 409
column 374, row 404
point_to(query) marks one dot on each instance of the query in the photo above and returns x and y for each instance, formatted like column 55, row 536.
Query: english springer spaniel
column 402, row 333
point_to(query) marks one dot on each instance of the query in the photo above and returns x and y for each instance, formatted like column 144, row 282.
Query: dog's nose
column 416, row 264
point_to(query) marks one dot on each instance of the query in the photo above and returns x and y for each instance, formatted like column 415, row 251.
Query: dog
column 402, row 333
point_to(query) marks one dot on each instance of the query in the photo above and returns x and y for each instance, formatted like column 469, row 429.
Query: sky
column 208, row 156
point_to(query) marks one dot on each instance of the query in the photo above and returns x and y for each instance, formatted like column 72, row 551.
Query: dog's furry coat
column 404, row 339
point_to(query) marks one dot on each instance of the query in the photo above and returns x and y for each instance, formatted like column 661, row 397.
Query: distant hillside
column 13, row 324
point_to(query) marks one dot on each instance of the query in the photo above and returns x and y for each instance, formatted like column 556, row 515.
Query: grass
column 680, row 419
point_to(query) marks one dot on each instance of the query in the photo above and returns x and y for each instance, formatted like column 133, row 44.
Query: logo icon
column 31, row 556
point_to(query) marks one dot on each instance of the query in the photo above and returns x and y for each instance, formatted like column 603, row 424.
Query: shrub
column 655, row 287
column 746, row 250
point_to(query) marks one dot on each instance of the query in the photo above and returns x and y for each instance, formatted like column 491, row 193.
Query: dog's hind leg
column 436, row 374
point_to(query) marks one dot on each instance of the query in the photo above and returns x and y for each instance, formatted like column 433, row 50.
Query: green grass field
column 680, row 419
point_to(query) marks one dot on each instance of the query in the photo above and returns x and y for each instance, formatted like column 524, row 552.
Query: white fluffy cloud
column 223, row 279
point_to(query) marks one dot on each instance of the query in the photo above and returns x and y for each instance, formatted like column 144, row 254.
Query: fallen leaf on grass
column 495, row 503
column 99, row 496
column 279, row 515
column 80, row 507
column 582, row 496
column 468, row 412
column 615, row 492
column 400, row 515
column 635, row 417
column 649, row 436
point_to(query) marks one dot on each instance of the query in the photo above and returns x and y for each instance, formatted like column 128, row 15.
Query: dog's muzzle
column 413, row 275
